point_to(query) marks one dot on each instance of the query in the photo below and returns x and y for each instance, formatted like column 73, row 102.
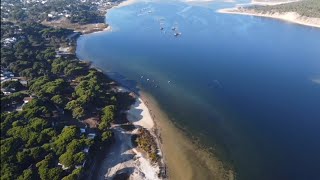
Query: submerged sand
column 184, row 159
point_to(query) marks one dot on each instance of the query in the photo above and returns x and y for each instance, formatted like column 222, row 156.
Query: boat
column 177, row 34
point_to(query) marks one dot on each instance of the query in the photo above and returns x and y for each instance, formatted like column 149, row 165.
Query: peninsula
column 304, row 12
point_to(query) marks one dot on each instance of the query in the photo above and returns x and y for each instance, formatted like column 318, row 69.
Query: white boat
column 177, row 34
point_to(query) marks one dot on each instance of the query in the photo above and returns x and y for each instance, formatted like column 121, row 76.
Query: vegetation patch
column 146, row 141
column 308, row 8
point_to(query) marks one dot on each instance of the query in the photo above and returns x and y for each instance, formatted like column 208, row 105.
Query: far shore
column 87, row 28
column 292, row 17
column 263, row 3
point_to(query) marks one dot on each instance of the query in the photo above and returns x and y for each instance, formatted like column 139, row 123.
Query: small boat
column 174, row 28
column 161, row 28
column 177, row 34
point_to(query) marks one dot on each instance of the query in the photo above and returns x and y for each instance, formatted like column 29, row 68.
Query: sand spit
column 292, row 17
column 288, row 16
column 271, row 2
column 125, row 3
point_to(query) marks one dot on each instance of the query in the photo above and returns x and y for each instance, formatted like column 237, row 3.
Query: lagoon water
column 247, row 87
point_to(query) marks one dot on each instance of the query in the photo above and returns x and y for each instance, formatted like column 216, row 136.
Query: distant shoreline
column 292, row 17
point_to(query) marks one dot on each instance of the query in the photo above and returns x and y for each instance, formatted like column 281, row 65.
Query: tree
column 13, row 85
column 66, row 136
column 37, row 153
column 44, row 166
column 108, row 113
column 73, row 104
column 38, row 124
column 7, row 171
column 76, row 145
column 55, row 173
column 76, row 107
column 107, row 117
column 36, row 108
column 9, row 146
column 59, row 100
column 28, row 174
column 23, row 156
column 78, row 112
column 67, row 159
column 106, row 136
column 79, row 158
column 74, row 175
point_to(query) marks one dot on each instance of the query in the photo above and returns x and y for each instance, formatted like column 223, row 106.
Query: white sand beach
column 271, row 2
column 123, row 157
column 139, row 115
column 292, row 17
column 126, row 3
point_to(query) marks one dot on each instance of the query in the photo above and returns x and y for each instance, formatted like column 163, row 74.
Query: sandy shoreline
column 123, row 156
column 125, row 3
column 264, row 3
column 292, row 17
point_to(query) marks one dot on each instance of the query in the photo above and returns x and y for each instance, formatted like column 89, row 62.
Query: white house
column 82, row 130
column 91, row 135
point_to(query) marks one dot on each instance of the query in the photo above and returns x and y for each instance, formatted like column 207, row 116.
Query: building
column 91, row 135
column 27, row 99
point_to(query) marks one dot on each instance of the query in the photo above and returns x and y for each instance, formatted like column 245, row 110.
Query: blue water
column 246, row 86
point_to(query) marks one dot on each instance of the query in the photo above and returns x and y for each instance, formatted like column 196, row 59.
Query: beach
column 181, row 158
column 292, row 17
column 125, row 3
column 123, row 156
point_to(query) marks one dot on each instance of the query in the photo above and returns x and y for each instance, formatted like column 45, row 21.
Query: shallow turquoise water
column 246, row 86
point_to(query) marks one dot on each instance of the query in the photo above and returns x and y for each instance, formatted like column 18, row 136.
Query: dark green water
column 246, row 86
